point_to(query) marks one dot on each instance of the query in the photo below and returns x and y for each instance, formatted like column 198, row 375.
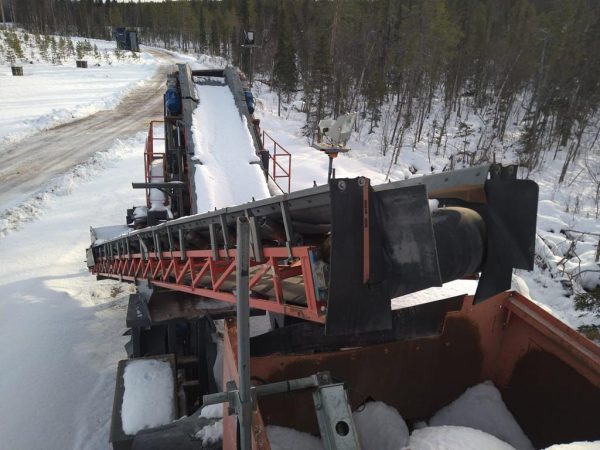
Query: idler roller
column 460, row 236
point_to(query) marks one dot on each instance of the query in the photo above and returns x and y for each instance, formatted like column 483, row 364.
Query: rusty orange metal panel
column 548, row 374
column 260, row 440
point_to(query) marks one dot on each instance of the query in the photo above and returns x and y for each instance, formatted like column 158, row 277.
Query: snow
column 576, row 446
column 157, row 197
column 33, row 208
column 224, row 146
column 211, row 433
column 281, row 438
column 481, row 407
column 447, row 290
column 148, row 398
column 48, row 95
column 454, row 438
column 380, row 426
column 60, row 329
column 212, row 411
column 309, row 166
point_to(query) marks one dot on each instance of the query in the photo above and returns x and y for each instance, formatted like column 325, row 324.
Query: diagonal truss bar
column 203, row 276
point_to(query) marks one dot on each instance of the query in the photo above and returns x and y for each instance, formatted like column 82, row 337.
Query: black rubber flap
column 355, row 307
column 510, row 219
column 138, row 314
column 409, row 244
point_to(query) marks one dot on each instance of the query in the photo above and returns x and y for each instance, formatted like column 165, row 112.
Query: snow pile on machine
column 148, row 397
column 477, row 420
column 230, row 173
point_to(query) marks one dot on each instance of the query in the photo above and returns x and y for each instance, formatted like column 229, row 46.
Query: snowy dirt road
column 31, row 163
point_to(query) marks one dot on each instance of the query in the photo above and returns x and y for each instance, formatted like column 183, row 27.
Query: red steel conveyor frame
column 169, row 270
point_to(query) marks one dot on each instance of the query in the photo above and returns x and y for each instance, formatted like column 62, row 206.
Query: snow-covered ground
column 59, row 328
column 50, row 94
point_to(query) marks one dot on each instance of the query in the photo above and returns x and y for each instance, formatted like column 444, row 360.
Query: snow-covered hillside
column 566, row 266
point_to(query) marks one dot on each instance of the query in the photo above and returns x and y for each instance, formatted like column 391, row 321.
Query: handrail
column 150, row 156
column 283, row 153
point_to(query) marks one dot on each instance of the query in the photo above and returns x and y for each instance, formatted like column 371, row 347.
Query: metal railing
column 278, row 154
column 150, row 156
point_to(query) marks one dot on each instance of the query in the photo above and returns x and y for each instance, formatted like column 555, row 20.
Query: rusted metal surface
column 552, row 401
column 549, row 375
column 416, row 377
column 230, row 373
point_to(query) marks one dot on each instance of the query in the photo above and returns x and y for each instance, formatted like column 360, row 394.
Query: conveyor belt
column 337, row 254
column 230, row 171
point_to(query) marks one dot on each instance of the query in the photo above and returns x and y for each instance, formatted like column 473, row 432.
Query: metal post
column 329, row 172
column 243, row 331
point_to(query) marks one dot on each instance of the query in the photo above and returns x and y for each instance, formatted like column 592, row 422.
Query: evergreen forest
column 527, row 63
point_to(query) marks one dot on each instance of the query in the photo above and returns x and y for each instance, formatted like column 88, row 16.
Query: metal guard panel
column 355, row 307
column 401, row 253
column 510, row 217
column 404, row 222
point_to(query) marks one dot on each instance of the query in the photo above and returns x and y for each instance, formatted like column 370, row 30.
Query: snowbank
column 380, row 427
column 148, row 398
column 14, row 218
column 211, row 433
column 454, row 438
column 212, row 411
column 74, row 323
column 576, row 446
column 481, row 407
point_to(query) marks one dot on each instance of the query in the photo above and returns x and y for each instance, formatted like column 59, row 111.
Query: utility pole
column 250, row 44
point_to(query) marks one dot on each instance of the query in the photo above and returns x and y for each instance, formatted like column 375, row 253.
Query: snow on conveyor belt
column 224, row 145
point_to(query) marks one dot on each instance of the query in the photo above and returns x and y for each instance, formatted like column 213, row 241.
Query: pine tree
column 80, row 50
column 10, row 56
column 70, row 47
column 12, row 39
column 62, row 48
column 285, row 74
column 54, row 51
column 317, row 86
